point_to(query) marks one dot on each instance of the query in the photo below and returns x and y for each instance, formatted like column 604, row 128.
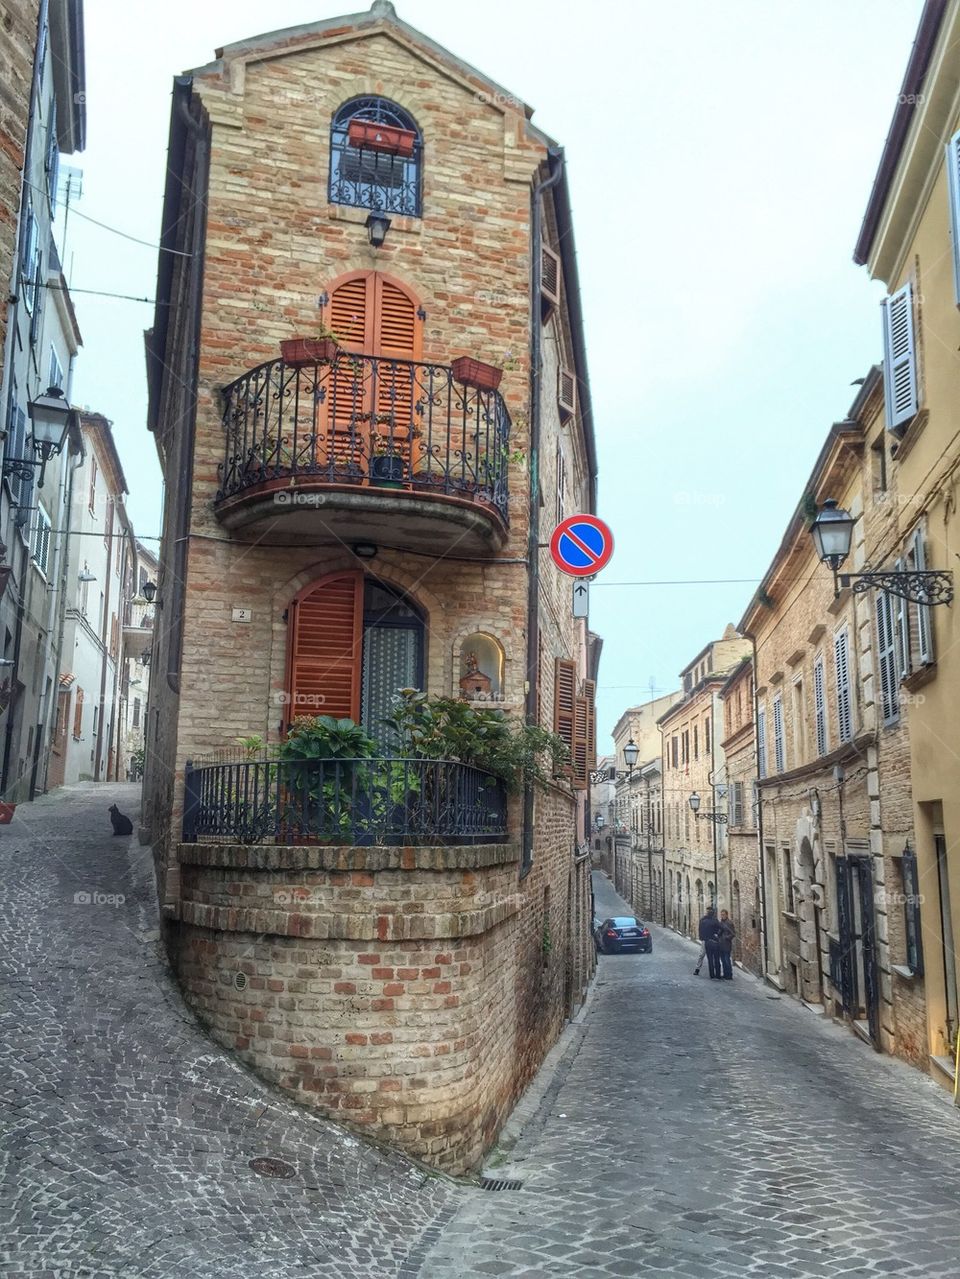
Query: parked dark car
column 622, row 933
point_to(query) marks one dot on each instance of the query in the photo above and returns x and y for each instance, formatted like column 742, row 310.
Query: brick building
column 359, row 516
column 17, row 50
column 740, row 751
column 834, row 817
column 910, row 240
column 696, row 868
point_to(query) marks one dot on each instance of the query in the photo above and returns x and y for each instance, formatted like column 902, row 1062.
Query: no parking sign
column 581, row 545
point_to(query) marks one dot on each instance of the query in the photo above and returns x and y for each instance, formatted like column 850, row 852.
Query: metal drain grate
column 267, row 1166
column 493, row 1183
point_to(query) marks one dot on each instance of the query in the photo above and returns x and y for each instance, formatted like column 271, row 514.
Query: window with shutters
column 706, row 734
column 561, row 483
column 901, row 629
column 550, row 273
column 779, row 748
column 372, row 406
column 696, row 742
column 30, row 260
column 762, row 741
column 917, row 559
column 92, row 494
column 564, row 705
column 354, row 642
column 52, row 159
column 953, row 188
column 736, row 804
column 673, row 752
column 41, row 541
column 841, row 660
column 78, row 716
column 820, row 703
column 55, row 372
column 376, row 168
column 889, row 684
column 899, row 359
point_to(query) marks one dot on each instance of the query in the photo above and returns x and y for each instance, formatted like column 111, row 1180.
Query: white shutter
column 779, row 755
column 886, row 659
column 901, row 629
column 924, row 629
column 899, row 357
column 820, row 704
column 842, row 665
column 762, row 741
column 953, row 180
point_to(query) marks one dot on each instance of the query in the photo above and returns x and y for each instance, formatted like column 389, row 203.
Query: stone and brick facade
column 18, row 22
column 410, row 991
column 739, row 748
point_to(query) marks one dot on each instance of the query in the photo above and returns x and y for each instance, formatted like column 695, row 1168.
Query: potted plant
column 388, row 465
column 381, row 137
column 6, row 813
column 473, row 372
column 324, row 348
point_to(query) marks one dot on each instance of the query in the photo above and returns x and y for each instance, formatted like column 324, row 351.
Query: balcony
column 365, row 449
column 353, row 802
column 137, row 627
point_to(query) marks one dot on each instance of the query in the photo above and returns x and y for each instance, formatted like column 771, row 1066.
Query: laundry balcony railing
column 342, row 801
column 365, row 421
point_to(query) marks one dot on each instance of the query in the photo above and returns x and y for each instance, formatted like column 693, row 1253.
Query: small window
column 52, row 161
column 844, row 697
column 136, row 712
column 899, row 359
column 561, row 484
column 779, row 751
column 41, row 541
column 92, row 495
column 55, row 373
column 375, row 157
column 78, row 716
column 762, row 742
column 820, row 704
column 911, row 911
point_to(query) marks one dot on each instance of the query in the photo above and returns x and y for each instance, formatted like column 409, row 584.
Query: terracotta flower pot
column 471, row 372
column 308, row 350
column 6, row 814
column 381, row 137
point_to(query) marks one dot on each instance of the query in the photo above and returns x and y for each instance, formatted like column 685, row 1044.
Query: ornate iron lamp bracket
column 921, row 586
column 20, row 468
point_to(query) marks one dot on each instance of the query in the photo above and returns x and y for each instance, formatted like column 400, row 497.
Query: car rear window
column 626, row 921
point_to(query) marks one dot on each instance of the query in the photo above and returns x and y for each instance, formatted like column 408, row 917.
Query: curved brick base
column 378, row 984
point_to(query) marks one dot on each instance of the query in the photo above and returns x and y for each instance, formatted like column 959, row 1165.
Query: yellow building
column 910, row 239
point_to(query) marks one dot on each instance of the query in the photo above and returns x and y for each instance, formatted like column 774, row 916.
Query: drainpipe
column 555, row 161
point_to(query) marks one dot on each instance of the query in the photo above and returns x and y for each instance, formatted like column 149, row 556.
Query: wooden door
column 370, row 401
column 326, row 633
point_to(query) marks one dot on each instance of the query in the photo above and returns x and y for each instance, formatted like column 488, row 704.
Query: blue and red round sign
column 581, row 545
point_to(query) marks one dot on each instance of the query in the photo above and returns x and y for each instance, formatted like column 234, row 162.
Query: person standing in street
column 725, row 935
column 709, row 935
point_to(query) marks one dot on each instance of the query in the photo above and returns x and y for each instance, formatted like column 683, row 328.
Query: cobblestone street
column 690, row 1128
column 127, row 1135
column 705, row 1128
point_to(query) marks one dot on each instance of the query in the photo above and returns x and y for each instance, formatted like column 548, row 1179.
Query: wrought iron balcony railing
column 342, row 801
column 366, row 421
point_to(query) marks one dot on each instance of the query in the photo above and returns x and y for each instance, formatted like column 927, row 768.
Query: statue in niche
column 474, row 684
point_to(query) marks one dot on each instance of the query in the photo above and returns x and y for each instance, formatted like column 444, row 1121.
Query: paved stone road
column 704, row 1128
column 692, row 1127
column 126, row 1134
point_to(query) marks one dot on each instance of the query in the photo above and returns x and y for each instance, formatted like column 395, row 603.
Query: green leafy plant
column 450, row 728
column 253, row 745
column 316, row 796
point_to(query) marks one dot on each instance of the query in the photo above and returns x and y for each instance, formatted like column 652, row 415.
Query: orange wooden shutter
column 590, row 694
column 396, row 337
column 564, row 702
column 325, row 645
column 351, row 309
column 581, row 732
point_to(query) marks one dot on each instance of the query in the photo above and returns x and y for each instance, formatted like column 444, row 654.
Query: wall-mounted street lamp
column 377, row 224
column 832, row 533
column 50, row 418
column 149, row 591
column 717, row 818
column 599, row 821
column 85, row 575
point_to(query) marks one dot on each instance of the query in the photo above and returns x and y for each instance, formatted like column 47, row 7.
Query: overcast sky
column 725, row 319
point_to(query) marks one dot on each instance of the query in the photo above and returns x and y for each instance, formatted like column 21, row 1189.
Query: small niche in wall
column 481, row 669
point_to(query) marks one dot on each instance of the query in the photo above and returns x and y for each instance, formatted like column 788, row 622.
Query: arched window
column 375, row 157
column 354, row 641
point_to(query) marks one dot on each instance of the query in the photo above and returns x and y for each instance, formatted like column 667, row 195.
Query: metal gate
column 862, row 871
column 842, row 971
column 853, row 962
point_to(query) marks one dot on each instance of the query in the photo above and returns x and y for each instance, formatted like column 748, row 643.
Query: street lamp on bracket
column 49, row 420
column 832, row 533
column 718, row 819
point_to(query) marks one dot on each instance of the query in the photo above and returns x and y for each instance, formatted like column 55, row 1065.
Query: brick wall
column 18, row 41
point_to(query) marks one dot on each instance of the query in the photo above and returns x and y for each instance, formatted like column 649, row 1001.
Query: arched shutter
column 351, row 309
column 325, row 643
column 395, row 339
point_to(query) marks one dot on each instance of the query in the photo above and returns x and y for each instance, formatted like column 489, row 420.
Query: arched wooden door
column 354, row 641
column 370, row 407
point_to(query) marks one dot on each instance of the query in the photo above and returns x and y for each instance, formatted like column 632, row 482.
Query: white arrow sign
column 581, row 599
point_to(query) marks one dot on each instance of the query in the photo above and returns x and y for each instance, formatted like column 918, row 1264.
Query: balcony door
column 354, row 641
column 370, row 408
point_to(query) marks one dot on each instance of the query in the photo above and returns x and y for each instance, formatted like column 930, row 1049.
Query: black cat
column 122, row 825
